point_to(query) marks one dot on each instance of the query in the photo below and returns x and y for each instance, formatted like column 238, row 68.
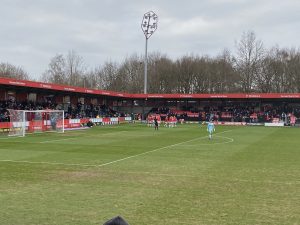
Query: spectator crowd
column 234, row 113
column 71, row 111
column 231, row 112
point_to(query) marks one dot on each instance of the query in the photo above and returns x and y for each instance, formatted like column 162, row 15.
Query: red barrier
column 4, row 125
column 69, row 123
column 121, row 119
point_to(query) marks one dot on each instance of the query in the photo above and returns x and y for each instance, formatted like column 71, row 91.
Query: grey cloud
column 33, row 31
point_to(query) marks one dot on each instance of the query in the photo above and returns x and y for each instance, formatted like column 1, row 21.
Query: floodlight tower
column 149, row 25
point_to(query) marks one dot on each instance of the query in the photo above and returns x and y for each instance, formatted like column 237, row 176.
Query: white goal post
column 35, row 121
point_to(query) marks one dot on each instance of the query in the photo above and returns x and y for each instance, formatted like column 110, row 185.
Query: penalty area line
column 84, row 136
column 108, row 163
column 46, row 163
column 154, row 150
column 230, row 140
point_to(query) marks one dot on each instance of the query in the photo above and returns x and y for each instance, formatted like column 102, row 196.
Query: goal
column 35, row 121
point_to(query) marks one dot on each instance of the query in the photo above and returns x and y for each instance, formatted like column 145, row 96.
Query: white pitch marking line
column 64, row 138
column 144, row 153
column 48, row 163
column 68, row 131
column 219, row 143
column 228, row 138
column 153, row 174
column 108, row 163
column 41, row 142
column 4, row 138
column 49, row 141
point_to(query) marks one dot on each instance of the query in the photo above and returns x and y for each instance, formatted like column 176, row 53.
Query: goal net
column 35, row 121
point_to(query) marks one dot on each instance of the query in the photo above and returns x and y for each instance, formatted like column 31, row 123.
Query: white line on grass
column 65, row 139
column 4, row 138
column 159, row 174
column 218, row 143
column 48, row 163
column 228, row 138
column 155, row 150
column 108, row 163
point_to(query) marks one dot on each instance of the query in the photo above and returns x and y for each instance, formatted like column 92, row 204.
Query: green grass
column 245, row 175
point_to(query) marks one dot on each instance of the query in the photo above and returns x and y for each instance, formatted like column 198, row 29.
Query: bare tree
column 75, row 69
column 131, row 73
column 106, row 76
column 165, row 80
column 160, row 74
column 250, row 53
column 66, row 70
column 185, row 73
column 252, row 69
column 293, row 71
column 92, row 80
column 225, row 75
column 201, row 77
column 11, row 71
column 56, row 71
column 272, row 76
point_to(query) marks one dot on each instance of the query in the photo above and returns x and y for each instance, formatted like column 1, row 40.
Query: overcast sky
column 34, row 31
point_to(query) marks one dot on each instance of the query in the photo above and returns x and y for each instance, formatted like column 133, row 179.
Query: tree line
column 251, row 69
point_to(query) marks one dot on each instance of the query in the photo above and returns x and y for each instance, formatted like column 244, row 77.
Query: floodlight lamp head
column 149, row 23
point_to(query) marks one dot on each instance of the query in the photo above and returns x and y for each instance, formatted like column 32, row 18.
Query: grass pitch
column 245, row 175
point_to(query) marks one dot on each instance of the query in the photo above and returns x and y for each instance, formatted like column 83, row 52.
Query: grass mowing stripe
column 112, row 162
column 227, row 142
column 65, row 139
column 207, row 176
column 254, row 180
column 84, row 136
column 48, row 163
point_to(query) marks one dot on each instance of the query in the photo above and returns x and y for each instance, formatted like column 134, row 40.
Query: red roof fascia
column 49, row 86
column 218, row 96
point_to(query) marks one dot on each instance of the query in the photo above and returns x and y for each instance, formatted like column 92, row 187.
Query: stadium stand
column 82, row 103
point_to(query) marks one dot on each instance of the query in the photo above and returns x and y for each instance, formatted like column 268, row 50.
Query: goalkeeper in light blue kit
column 210, row 129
